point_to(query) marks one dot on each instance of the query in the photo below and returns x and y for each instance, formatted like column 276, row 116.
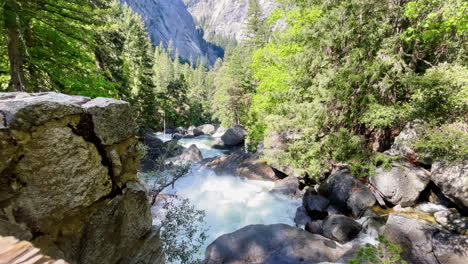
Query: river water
column 230, row 202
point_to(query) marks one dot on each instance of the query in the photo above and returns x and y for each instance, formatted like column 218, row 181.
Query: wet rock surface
column 340, row 228
column 234, row 136
column 242, row 165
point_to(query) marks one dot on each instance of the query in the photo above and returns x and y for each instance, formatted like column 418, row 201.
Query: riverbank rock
column 315, row 204
column 207, row 129
column 301, row 218
column 272, row 244
column 425, row 243
column 340, row 228
column 452, row 179
column 234, row 136
column 69, row 184
column 402, row 183
column 347, row 193
column 190, row 155
column 452, row 220
column 288, row 186
column 242, row 165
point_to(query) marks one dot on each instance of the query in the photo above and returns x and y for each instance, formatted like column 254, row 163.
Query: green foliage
column 384, row 253
column 181, row 235
column 448, row 142
column 233, row 83
column 51, row 46
column 440, row 95
column 182, row 232
column 345, row 69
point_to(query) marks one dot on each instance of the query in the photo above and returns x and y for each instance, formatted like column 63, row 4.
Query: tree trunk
column 17, row 81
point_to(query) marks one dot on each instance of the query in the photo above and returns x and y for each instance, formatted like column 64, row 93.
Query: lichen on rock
column 68, row 170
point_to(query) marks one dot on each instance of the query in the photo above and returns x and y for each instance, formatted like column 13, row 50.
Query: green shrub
column 445, row 143
column 384, row 253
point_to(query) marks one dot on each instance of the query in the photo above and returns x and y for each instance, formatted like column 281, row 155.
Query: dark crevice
column 85, row 129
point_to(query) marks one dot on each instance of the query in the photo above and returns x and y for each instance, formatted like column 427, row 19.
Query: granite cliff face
column 68, row 180
column 170, row 21
column 224, row 17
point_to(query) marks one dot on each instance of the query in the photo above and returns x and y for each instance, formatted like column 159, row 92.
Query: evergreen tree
column 50, row 46
column 256, row 28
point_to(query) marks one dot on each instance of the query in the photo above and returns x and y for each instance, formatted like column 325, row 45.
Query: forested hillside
column 336, row 85
column 99, row 48
column 345, row 77
column 337, row 128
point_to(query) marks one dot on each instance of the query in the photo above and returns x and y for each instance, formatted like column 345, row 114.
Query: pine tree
column 50, row 46
column 256, row 28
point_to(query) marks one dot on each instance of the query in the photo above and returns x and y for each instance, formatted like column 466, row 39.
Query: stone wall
column 68, row 182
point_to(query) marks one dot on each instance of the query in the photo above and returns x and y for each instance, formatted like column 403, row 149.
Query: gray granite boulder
column 272, row 244
column 340, row 228
column 68, row 171
column 234, row 136
column 452, row 179
column 347, row 193
column 112, row 120
column 402, row 183
column 426, row 243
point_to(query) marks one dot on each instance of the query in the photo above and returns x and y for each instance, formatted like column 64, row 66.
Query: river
column 230, row 202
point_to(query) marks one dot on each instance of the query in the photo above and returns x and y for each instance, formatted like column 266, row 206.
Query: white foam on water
column 164, row 137
column 205, row 144
column 231, row 203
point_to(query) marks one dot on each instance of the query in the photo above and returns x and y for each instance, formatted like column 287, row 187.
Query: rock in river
column 272, row 244
column 347, row 193
column 243, row 165
column 234, row 136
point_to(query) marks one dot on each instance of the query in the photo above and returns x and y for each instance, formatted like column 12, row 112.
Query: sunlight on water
column 231, row 202
column 204, row 143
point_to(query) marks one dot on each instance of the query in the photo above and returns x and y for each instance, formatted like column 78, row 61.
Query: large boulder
column 272, row 244
column 207, row 129
column 242, row 165
column 112, row 120
column 425, row 243
column 288, row 186
column 452, row 179
column 402, row 183
column 347, row 193
column 340, row 228
column 190, row 155
column 68, row 170
column 315, row 204
column 234, row 136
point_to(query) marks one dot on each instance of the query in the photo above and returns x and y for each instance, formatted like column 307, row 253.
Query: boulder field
column 68, row 179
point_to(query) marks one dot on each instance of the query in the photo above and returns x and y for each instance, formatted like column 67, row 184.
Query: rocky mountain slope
column 224, row 17
column 170, row 20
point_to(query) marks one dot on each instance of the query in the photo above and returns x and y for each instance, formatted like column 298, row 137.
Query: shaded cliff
column 68, row 179
column 170, row 21
column 224, row 17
